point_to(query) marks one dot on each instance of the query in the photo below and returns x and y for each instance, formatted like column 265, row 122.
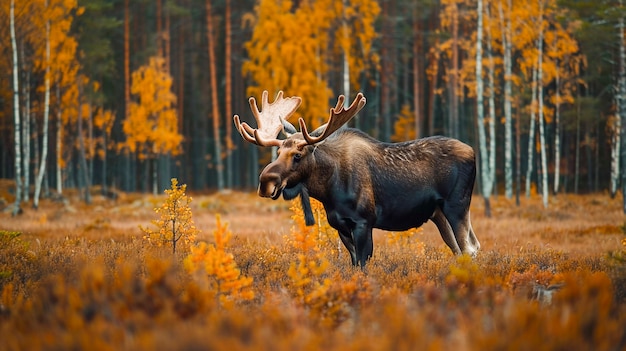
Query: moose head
column 293, row 163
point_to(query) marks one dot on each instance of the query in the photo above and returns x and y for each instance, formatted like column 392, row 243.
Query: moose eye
column 297, row 157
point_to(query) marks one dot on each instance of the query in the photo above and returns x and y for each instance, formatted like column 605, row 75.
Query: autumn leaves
column 151, row 126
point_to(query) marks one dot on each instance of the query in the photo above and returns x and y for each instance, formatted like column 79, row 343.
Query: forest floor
column 575, row 224
column 415, row 294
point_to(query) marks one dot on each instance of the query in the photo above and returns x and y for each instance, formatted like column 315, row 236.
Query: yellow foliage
column 407, row 240
column 63, row 288
column 225, row 277
column 175, row 222
column 404, row 127
column 151, row 127
column 290, row 48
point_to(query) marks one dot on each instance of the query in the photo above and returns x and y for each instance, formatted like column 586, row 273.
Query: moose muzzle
column 270, row 185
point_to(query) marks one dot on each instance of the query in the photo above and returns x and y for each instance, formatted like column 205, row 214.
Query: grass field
column 84, row 277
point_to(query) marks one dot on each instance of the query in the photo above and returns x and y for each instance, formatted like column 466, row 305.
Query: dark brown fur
column 364, row 183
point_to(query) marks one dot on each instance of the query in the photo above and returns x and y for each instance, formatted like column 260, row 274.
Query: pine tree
column 175, row 222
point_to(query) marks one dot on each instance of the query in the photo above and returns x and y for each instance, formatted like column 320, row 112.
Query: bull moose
column 364, row 183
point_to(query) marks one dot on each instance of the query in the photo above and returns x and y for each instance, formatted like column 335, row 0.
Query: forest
column 129, row 220
column 127, row 94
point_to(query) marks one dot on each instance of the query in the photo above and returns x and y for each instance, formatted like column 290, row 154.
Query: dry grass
column 82, row 277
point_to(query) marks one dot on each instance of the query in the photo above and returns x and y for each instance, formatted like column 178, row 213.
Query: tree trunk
column 155, row 174
column 126, row 60
column 159, row 29
column 46, row 119
column 508, row 132
column 26, row 135
column 616, row 128
column 417, row 107
column 214, row 98
column 228, row 97
column 59, row 147
column 518, row 160
column 104, row 164
column 492, row 106
column 167, row 42
column 621, row 102
column 16, row 113
column 81, row 144
column 557, row 134
column 346, row 53
column 542, row 139
column 432, row 96
column 454, row 70
column 485, row 172
column 577, row 148
column 531, row 132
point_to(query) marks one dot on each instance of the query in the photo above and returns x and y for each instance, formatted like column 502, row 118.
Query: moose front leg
column 346, row 239
column 345, row 227
column 363, row 242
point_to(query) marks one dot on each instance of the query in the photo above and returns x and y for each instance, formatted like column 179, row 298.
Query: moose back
column 364, row 183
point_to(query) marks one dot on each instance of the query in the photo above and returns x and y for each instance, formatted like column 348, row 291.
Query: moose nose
column 268, row 184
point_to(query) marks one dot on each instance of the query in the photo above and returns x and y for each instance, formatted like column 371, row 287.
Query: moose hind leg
column 472, row 236
column 446, row 231
column 459, row 221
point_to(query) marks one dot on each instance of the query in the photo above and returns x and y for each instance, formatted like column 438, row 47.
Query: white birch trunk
column 26, row 138
column 346, row 62
column 16, row 114
column 59, row 147
column 542, row 143
column 508, row 125
column 46, row 118
column 615, row 144
column 531, row 132
column 485, row 173
column 492, row 106
column 621, row 103
column 557, row 136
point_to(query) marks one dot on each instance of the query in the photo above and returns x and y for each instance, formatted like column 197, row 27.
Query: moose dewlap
column 364, row 183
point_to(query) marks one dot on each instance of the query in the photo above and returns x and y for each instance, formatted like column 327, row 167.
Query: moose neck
column 337, row 164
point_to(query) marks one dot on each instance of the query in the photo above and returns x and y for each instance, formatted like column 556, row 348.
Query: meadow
column 254, row 277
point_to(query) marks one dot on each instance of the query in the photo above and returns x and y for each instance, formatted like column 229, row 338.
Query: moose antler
column 338, row 117
column 269, row 119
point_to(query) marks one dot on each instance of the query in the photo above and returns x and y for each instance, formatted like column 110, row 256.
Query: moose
column 364, row 183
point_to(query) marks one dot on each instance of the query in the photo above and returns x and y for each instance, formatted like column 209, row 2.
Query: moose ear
column 317, row 132
column 288, row 128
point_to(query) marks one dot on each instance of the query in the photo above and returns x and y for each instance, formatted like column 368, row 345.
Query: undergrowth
column 230, row 293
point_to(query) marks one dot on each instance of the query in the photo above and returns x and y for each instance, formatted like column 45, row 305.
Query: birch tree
column 620, row 98
column 508, row 125
column 492, row 102
column 561, row 65
column 26, row 120
column 485, row 154
column 16, row 114
column 616, row 128
column 46, row 118
column 542, row 138
column 531, row 131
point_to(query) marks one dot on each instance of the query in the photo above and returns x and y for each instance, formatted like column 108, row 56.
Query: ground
column 75, row 276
